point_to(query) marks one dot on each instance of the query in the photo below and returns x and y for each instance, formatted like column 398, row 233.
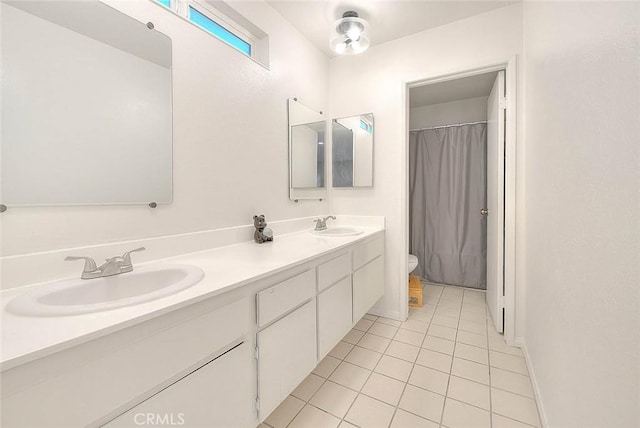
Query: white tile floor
column 446, row 366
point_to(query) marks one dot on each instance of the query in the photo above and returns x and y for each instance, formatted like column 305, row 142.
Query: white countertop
column 226, row 268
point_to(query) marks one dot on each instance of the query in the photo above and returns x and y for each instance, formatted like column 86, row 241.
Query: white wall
column 230, row 140
column 375, row 82
column 461, row 111
column 582, row 109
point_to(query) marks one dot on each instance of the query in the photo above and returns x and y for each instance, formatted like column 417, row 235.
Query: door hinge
column 503, row 103
column 501, row 301
column 257, row 353
column 258, row 404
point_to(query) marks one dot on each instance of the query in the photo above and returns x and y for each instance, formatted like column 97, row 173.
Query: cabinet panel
column 286, row 355
column 334, row 315
column 333, row 270
column 368, row 287
column 281, row 298
column 91, row 390
column 366, row 252
column 216, row 395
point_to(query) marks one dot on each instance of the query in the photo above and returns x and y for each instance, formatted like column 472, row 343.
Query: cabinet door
column 216, row 395
column 286, row 355
column 368, row 287
column 334, row 315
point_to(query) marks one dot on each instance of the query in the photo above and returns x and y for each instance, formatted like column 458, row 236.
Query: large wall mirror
column 86, row 106
column 352, row 148
column 307, row 132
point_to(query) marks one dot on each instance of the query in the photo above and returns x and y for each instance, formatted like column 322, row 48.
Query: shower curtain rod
column 448, row 126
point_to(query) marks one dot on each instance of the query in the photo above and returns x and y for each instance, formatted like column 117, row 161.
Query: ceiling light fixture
column 349, row 35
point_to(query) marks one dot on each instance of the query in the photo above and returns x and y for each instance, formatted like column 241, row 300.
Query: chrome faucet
column 321, row 223
column 113, row 266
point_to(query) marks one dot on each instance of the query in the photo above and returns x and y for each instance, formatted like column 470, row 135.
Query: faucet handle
column 89, row 263
column 127, row 256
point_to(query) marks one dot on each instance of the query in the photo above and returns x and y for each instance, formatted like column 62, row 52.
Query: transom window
column 218, row 30
column 250, row 41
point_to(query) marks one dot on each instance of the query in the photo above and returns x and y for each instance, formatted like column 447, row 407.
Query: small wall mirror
column 352, row 148
column 86, row 106
column 307, row 132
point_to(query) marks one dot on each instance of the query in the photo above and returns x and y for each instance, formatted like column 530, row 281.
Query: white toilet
column 413, row 263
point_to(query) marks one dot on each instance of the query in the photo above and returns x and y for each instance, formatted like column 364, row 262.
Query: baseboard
column 534, row 383
column 394, row 315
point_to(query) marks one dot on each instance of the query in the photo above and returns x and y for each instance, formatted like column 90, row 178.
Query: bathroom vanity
column 224, row 352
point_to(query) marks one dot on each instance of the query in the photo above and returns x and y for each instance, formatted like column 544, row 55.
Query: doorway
column 448, row 180
column 477, row 251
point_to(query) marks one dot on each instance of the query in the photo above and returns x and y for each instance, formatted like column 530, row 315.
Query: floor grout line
column 515, row 420
column 490, row 382
column 444, row 401
column 404, row 389
column 363, row 385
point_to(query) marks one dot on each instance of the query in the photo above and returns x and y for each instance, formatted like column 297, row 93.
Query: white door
column 496, row 106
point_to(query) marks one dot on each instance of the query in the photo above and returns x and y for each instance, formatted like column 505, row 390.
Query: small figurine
column 262, row 233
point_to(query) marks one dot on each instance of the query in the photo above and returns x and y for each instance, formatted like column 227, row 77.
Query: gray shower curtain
column 447, row 190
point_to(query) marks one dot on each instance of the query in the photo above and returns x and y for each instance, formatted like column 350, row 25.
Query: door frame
column 509, row 67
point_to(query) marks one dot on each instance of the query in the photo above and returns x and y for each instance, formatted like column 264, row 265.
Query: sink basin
column 338, row 231
column 79, row 296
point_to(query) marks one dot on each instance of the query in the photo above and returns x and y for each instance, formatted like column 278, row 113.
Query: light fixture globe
column 350, row 34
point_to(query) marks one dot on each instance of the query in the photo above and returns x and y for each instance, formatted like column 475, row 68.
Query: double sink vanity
column 214, row 338
column 213, row 331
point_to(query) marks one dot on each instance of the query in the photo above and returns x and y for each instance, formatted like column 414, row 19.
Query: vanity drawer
column 367, row 252
column 334, row 270
column 275, row 301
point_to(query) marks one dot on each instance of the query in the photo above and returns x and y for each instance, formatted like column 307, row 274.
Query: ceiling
column 388, row 19
column 452, row 90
